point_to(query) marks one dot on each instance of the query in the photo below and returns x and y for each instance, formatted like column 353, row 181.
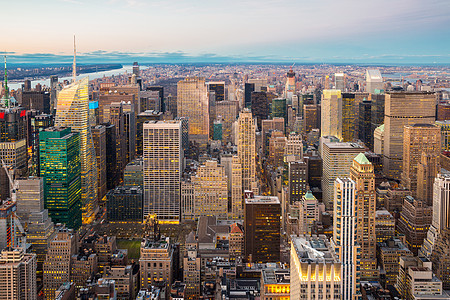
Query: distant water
column 18, row 84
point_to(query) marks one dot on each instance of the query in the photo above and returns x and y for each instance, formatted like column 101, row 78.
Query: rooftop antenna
column 6, row 96
column 74, row 67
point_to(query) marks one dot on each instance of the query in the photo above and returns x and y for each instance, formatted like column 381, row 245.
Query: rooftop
column 314, row 249
column 262, row 200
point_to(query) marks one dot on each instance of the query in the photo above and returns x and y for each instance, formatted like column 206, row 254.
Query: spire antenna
column 6, row 96
column 74, row 67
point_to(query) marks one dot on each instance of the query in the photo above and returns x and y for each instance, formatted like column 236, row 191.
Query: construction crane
column 13, row 183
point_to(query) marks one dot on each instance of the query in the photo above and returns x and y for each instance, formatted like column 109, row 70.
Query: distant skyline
column 324, row 31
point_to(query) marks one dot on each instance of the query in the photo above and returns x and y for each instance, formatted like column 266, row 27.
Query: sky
column 309, row 31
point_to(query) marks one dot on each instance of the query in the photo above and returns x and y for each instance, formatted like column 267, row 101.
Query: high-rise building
column 339, row 81
column 294, row 147
column 345, row 236
column 249, row 88
column 30, row 197
column 17, row 275
column 210, row 191
column 133, row 173
column 389, row 255
column 60, row 167
column 35, row 124
column 384, row 225
column 309, row 118
column 162, row 169
column 275, row 283
column 228, row 111
column 414, row 222
column 234, row 174
column 308, row 214
column 111, row 157
column 124, row 204
column 141, row 118
column 10, row 228
column 401, row 109
column 267, row 127
column 260, row 107
column 246, row 144
column 445, row 134
column 278, row 108
column 363, row 175
column 57, row 262
column 419, row 139
column 315, row 269
column 262, row 229
column 99, row 139
column 364, row 125
column 130, row 131
column 337, row 161
column 53, row 91
column 298, row 180
column 374, row 80
column 73, row 111
column 289, row 88
column 117, row 118
column 37, row 100
column 331, row 113
column 349, row 117
column 193, row 103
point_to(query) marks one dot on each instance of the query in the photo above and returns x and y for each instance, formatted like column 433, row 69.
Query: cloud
column 72, row 1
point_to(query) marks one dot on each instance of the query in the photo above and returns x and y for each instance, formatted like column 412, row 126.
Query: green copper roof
column 362, row 159
column 309, row 195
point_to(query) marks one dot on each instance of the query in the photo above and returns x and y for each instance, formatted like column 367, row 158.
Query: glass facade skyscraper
column 60, row 167
column 73, row 111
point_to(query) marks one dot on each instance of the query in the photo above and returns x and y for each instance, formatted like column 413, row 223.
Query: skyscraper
column 17, row 275
column 403, row 108
column 374, row 80
column 99, row 139
column 345, row 236
column 363, row 175
column 419, row 139
column 60, row 168
column 262, row 229
column 289, row 88
column 331, row 113
column 162, row 169
column 349, row 114
column 73, row 111
column 246, row 144
column 193, row 103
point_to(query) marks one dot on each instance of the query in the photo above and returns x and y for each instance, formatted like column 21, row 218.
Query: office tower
column 260, row 106
column 246, row 144
column 57, row 262
column 235, row 188
column 262, row 229
column 249, row 88
column 53, row 92
column 401, row 109
column 443, row 111
column 116, row 96
column 289, row 88
column 294, row 146
column 309, row 118
column 363, row 175
column 345, row 236
column 111, row 157
column 124, row 204
column 184, row 133
column 150, row 100
column 191, row 271
column 308, row 213
column 117, row 118
column 156, row 263
column 99, row 139
column 60, row 167
column 277, row 145
column 73, row 111
column 445, row 134
column 218, row 88
column 187, row 200
column 298, row 180
column 83, row 267
column 337, row 161
column 133, row 173
column 349, row 117
column 374, row 80
column 384, row 225
column 136, row 68
column 228, row 111
column 364, row 126
column 36, row 123
column 141, row 118
column 210, row 191
column 30, row 197
column 94, row 113
column 278, row 108
column 11, row 231
column 417, row 281
column 339, row 81
column 26, row 85
column 427, row 169
column 160, row 90
column 40, row 232
column 315, row 269
column 419, row 139
column 378, row 140
column 130, row 131
column 17, row 275
column 390, row 252
column 216, row 93
column 163, row 157
column 39, row 101
column 414, row 222
column 192, row 102
column 377, row 110
column 267, row 127
column 331, row 113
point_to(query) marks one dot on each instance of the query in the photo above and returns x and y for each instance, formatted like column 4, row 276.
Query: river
column 18, row 84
